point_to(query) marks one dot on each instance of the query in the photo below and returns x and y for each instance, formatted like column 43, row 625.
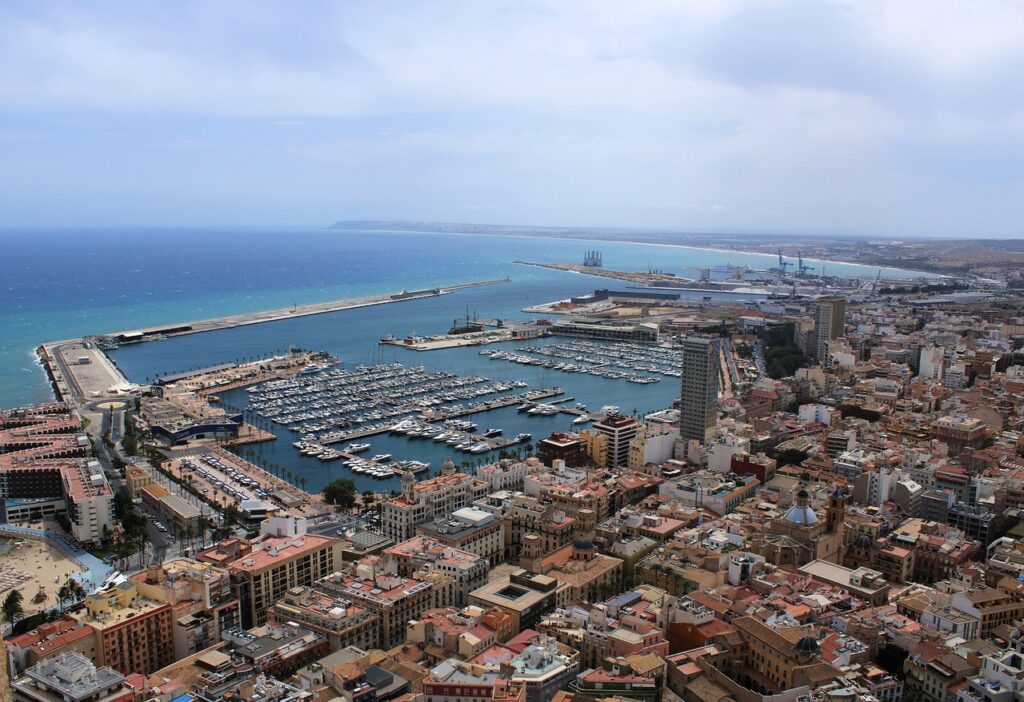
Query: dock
column 434, row 416
column 448, row 341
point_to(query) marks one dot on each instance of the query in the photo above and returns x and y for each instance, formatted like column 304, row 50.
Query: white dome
column 801, row 515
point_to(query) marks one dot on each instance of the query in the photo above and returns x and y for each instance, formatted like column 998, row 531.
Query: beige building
column 469, row 529
column 774, row 659
column 864, row 583
column 582, row 573
column 829, row 324
column 596, row 446
column 134, row 634
column 467, row 570
column 263, row 570
column 525, row 596
column 343, row 622
column 394, row 599
column 427, row 500
column 991, row 606
column 200, row 596
column 800, row 536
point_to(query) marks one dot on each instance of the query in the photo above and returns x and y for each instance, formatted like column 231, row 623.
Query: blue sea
column 62, row 284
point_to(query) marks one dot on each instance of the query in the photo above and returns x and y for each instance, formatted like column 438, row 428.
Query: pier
column 452, row 413
column 247, row 318
column 444, row 414
column 448, row 341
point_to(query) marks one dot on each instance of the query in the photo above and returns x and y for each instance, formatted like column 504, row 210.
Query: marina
column 622, row 361
column 341, row 405
column 332, row 405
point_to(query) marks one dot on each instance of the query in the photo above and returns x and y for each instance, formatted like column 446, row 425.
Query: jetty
column 247, row 318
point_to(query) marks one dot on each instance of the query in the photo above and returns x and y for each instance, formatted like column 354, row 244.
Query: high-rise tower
column 698, row 401
column 829, row 324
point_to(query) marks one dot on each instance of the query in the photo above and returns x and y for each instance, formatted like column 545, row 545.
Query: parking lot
column 223, row 478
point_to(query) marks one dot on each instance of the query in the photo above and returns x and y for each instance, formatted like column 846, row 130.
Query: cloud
column 796, row 114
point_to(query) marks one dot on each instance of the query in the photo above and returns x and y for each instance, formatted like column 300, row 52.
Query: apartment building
column 698, row 400
column 342, row 621
column 43, row 454
column 992, row 607
column 427, row 500
column 423, row 553
column 71, row 677
column 469, row 529
column 395, row 600
column 620, row 431
column 543, row 668
column 264, row 569
column 201, row 597
column 134, row 634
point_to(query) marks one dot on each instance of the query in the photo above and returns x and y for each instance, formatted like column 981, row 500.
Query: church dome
column 803, row 494
column 583, row 545
column 807, row 645
column 862, row 541
column 801, row 514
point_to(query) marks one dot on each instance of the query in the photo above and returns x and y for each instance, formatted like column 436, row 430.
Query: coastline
column 692, row 247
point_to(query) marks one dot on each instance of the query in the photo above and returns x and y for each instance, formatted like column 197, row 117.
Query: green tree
column 232, row 515
column 130, row 445
column 122, row 505
column 12, row 606
column 341, row 492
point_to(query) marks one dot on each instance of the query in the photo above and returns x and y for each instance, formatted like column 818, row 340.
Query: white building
column 654, row 443
column 931, row 363
column 620, row 431
column 90, row 502
column 721, row 452
column 955, row 377
column 821, row 414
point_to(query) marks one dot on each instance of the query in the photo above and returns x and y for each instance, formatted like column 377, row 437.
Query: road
column 330, row 527
column 759, row 359
column 107, row 422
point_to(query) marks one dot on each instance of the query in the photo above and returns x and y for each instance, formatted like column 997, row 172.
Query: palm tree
column 143, row 540
column 70, row 591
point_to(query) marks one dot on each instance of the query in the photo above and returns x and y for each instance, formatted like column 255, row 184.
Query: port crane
column 801, row 267
column 783, row 263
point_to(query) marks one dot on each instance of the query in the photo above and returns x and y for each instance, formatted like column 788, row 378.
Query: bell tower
column 408, row 486
column 836, row 512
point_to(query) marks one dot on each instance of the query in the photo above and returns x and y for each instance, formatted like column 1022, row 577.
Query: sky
column 889, row 118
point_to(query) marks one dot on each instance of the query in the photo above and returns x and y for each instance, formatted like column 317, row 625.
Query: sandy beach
column 30, row 564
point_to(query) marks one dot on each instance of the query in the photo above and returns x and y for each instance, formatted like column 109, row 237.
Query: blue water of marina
column 62, row 284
